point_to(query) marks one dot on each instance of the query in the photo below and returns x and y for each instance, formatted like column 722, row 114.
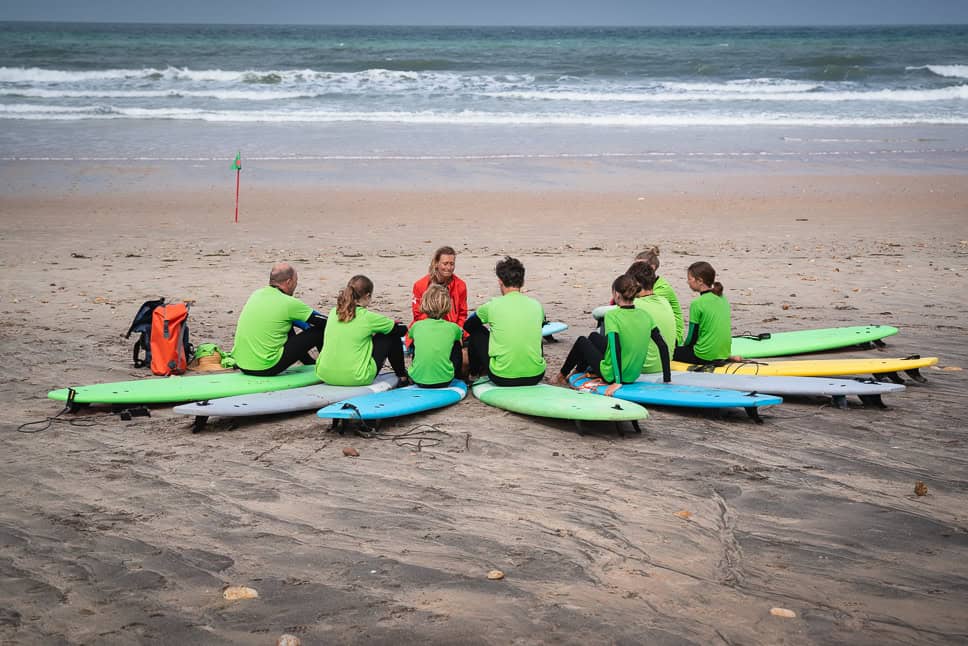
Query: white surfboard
column 282, row 401
column 868, row 390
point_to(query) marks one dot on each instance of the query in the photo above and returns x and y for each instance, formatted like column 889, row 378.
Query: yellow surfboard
column 816, row 367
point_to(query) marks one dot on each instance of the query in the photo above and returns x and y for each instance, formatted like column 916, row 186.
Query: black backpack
column 142, row 323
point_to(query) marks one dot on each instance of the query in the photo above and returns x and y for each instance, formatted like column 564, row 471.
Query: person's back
column 346, row 359
column 659, row 309
column 664, row 289
column 265, row 343
column 433, row 357
column 515, row 343
column 713, row 319
column 629, row 347
column 510, row 352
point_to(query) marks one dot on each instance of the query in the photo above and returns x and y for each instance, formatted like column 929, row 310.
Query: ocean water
column 202, row 91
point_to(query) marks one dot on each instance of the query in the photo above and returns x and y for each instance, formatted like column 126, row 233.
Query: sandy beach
column 120, row 532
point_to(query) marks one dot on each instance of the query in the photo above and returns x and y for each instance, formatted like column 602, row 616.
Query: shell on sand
column 782, row 612
column 236, row 592
column 495, row 575
column 288, row 640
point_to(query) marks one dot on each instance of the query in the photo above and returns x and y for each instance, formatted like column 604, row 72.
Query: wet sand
column 119, row 532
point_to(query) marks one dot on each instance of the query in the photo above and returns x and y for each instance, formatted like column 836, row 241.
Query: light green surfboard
column 187, row 388
column 544, row 400
column 782, row 344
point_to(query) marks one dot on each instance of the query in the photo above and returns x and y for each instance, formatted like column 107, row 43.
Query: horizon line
column 489, row 25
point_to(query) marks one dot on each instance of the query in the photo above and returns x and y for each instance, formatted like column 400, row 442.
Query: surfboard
column 553, row 327
column 162, row 390
column 671, row 394
column 819, row 367
column 549, row 328
column 782, row 344
column 290, row 400
column 395, row 403
column 544, row 400
column 869, row 391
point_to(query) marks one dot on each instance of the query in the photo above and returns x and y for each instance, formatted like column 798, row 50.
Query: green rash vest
column 347, row 356
column 433, row 340
column 711, row 317
column 664, row 289
column 663, row 317
column 264, row 326
column 515, row 345
column 633, row 328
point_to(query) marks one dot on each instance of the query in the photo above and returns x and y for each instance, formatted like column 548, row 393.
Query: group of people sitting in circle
column 501, row 340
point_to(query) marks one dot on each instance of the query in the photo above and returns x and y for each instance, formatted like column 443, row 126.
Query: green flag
column 237, row 164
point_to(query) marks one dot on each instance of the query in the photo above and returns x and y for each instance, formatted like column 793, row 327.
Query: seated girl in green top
column 662, row 288
column 360, row 341
column 618, row 356
column 437, row 352
column 710, row 327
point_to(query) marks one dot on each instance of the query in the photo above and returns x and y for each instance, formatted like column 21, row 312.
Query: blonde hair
column 358, row 287
column 650, row 257
column 435, row 302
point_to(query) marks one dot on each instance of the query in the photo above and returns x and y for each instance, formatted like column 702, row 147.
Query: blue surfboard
column 549, row 328
column 395, row 403
column 662, row 394
column 553, row 327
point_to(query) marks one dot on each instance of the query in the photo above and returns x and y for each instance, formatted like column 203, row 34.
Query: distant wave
column 466, row 117
column 237, row 95
column 949, row 71
column 725, row 93
column 361, row 81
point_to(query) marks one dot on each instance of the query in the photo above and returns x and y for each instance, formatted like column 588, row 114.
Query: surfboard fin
column 872, row 400
column 754, row 414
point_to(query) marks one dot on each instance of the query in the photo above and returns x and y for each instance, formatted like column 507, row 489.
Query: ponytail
column 650, row 257
column 348, row 299
column 704, row 272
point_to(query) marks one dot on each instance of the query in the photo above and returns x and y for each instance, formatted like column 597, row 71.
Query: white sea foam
column 950, row 71
column 238, row 95
column 724, row 94
column 468, row 117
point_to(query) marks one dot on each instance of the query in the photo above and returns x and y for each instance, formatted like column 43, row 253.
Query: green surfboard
column 782, row 344
column 186, row 389
column 544, row 400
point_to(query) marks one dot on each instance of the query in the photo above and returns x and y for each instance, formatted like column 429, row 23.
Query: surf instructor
column 441, row 272
column 265, row 341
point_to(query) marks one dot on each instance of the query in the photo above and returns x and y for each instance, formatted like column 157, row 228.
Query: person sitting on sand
column 658, row 308
column 357, row 341
column 662, row 288
column 618, row 356
column 265, row 341
column 510, row 352
column 442, row 273
column 437, row 352
column 710, row 326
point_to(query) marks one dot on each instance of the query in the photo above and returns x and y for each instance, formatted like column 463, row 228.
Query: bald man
column 265, row 341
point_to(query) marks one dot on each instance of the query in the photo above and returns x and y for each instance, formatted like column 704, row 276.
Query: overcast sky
column 497, row 12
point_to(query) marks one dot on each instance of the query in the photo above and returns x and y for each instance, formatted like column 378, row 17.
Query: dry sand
column 120, row 532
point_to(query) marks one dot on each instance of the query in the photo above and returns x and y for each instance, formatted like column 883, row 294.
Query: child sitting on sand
column 658, row 308
column 437, row 352
column 710, row 327
column 360, row 341
column 510, row 352
column 662, row 288
column 619, row 355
